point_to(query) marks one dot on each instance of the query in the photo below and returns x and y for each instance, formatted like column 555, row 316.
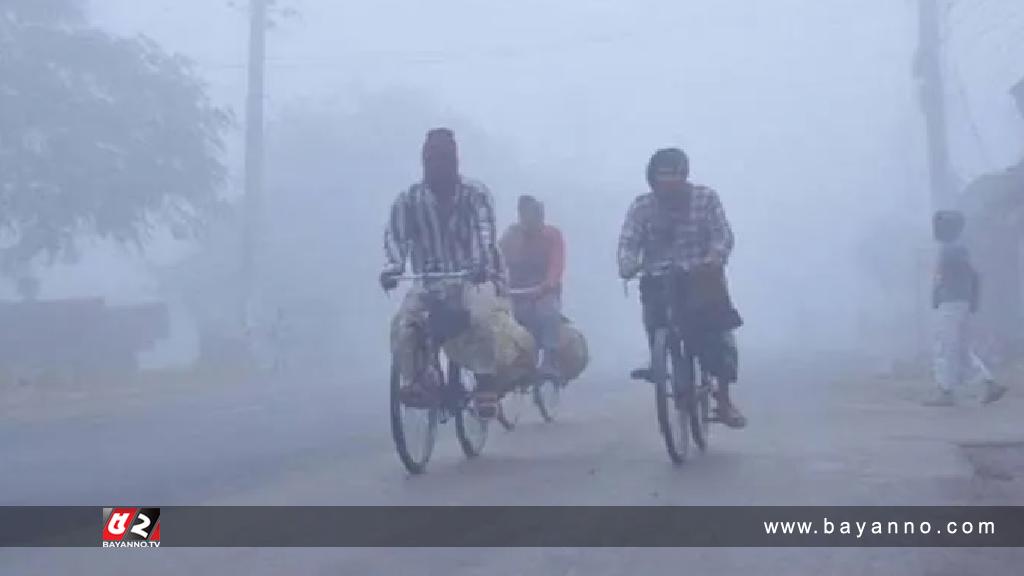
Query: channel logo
column 131, row 528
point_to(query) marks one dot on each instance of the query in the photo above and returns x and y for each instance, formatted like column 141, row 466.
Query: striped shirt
column 657, row 233
column 465, row 240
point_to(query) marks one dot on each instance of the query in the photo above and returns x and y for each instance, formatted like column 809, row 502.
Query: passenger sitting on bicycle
column 683, row 226
column 445, row 224
column 535, row 255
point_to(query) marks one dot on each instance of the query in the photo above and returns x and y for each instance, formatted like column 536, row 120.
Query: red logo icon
column 131, row 527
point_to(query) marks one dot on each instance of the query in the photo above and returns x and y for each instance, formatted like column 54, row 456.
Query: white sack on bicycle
column 493, row 344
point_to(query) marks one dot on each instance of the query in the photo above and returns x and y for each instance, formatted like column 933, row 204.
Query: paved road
column 822, row 432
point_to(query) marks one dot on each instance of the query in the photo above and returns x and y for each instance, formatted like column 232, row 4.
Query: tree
column 99, row 135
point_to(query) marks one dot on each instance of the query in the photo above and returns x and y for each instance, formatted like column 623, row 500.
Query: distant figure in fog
column 535, row 254
column 955, row 297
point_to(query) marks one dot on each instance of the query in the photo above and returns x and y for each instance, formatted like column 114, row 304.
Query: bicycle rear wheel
column 673, row 414
column 470, row 429
column 414, row 430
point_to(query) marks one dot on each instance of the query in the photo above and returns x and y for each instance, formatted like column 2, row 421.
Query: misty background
column 802, row 114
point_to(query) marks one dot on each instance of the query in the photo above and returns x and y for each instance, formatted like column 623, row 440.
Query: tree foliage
column 99, row 135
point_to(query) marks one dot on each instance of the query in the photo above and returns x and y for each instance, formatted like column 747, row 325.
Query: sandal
column 728, row 414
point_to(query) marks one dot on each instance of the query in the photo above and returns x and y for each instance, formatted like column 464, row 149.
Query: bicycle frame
column 534, row 384
column 454, row 396
column 685, row 394
column 670, row 276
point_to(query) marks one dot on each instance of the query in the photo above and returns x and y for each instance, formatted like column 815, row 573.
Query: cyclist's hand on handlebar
column 389, row 280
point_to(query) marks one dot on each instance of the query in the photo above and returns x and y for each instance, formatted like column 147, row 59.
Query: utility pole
column 254, row 151
column 928, row 70
column 931, row 91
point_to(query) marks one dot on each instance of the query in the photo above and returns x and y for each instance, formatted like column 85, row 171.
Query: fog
column 144, row 358
column 802, row 114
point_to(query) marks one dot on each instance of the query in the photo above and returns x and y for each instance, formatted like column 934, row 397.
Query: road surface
column 822, row 431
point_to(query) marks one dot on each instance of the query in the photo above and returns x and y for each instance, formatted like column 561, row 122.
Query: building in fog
column 994, row 204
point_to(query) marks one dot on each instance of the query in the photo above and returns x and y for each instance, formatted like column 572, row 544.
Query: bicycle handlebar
column 661, row 270
column 525, row 291
column 654, row 272
column 433, row 276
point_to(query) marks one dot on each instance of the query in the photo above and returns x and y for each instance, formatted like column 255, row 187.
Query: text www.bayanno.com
column 860, row 529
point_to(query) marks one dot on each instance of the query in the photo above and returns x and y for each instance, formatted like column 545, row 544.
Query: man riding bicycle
column 683, row 226
column 535, row 255
column 444, row 224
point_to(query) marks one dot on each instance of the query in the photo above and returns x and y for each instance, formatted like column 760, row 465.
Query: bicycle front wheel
column 700, row 409
column 470, row 428
column 673, row 414
column 414, row 430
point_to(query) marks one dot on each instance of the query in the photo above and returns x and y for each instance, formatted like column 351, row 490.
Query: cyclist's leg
column 652, row 317
column 728, row 362
column 721, row 356
column 548, row 310
column 406, row 333
column 526, row 315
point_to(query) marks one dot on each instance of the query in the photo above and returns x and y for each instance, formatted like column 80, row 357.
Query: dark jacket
column 701, row 301
column 956, row 280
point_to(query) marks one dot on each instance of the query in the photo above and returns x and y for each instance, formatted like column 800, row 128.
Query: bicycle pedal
column 642, row 377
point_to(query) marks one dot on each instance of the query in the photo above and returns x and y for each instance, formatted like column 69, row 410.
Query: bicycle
column 545, row 391
column 414, row 428
column 683, row 405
